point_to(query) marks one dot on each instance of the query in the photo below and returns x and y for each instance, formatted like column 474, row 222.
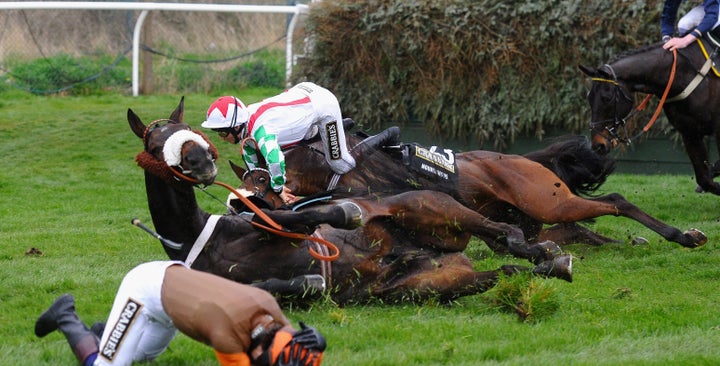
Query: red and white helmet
column 226, row 112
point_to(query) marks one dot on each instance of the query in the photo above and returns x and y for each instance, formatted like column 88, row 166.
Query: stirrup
column 314, row 281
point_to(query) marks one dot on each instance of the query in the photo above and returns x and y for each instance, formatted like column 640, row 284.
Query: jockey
column 693, row 25
column 299, row 113
column 242, row 323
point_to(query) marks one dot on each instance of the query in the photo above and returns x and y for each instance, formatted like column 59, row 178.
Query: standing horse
column 409, row 247
column 691, row 107
column 522, row 190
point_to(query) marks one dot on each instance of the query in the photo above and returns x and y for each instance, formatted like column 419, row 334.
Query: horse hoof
column 314, row 282
column 353, row 214
column 550, row 249
column 639, row 241
column 699, row 238
column 559, row 267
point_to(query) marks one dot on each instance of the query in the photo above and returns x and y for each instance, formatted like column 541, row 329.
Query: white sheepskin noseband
column 173, row 146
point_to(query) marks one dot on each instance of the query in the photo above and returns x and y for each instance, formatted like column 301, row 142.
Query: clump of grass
column 524, row 294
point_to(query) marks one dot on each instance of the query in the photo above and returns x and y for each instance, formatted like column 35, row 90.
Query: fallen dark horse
column 529, row 191
column 409, row 247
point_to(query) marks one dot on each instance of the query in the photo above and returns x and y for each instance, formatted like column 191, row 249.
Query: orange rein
column 274, row 227
column 664, row 96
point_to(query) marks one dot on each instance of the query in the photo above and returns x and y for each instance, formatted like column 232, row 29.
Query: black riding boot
column 387, row 138
column 61, row 315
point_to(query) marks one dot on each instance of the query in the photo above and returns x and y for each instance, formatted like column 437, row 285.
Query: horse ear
column 587, row 71
column 239, row 171
column 136, row 125
column 179, row 112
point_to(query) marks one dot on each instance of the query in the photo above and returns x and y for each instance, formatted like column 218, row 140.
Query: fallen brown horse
column 529, row 191
column 409, row 247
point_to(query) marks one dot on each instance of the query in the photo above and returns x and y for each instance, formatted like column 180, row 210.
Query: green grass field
column 69, row 187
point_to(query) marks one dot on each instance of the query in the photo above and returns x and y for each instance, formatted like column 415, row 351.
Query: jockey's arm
column 274, row 158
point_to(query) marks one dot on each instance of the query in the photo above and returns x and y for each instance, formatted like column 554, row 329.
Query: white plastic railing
column 296, row 10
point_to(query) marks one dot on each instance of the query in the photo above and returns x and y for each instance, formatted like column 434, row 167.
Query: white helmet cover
column 222, row 113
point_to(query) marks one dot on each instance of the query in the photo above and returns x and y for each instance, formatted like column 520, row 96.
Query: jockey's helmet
column 226, row 112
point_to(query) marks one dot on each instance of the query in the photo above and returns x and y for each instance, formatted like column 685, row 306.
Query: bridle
column 333, row 252
column 612, row 125
column 257, row 192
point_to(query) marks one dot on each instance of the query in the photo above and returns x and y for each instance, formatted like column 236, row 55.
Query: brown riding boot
column 61, row 315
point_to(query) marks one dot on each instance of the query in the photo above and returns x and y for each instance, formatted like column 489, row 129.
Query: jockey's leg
column 387, row 138
column 337, row 155
column 61, row 316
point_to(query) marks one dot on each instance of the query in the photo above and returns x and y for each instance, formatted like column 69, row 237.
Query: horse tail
column 574, row 161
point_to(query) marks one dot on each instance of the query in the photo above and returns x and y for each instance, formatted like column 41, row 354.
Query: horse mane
column 634, row 51
column 574, row 161
column 160, row 168
column 154, row 166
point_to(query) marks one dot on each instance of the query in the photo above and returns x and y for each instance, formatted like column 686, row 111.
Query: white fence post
column 136, row 53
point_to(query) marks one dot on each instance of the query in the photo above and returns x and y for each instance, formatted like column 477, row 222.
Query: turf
column 69, row 188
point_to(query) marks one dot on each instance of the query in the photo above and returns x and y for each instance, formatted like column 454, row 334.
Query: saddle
column 432, row 163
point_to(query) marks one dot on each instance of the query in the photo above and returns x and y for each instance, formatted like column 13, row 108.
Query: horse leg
column 698, row 154
column 578, row 209
column 570, row 233
column 307, row 287
column 715, row 169
column 345, row 215
column 428, row 210
column 716, row 166
column 451, row 276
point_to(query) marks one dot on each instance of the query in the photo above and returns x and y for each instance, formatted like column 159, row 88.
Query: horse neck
column 175, row 213
column 649, row 71
column 307, row 170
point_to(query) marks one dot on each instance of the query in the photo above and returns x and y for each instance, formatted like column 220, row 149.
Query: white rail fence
column 295, row 10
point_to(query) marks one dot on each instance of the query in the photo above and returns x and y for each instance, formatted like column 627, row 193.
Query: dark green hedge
column 484, row 70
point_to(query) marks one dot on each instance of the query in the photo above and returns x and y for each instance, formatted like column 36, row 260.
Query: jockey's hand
column 677, row 43
column 287, row 196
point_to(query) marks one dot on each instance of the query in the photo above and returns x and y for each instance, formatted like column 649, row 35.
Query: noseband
column 173, row 144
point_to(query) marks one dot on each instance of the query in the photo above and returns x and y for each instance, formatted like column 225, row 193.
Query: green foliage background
column 483, row 70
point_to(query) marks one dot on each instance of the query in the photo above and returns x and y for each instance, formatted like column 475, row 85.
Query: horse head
column 173, row 149
column 611, row 103
column 255, row 188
